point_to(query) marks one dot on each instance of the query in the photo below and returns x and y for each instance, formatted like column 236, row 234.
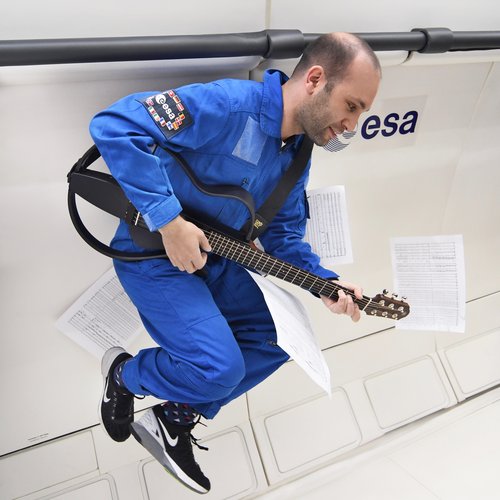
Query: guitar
column 242, row 253
column 103, row 191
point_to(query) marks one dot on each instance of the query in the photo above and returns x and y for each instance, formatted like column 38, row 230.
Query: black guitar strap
column 268, row 210
column 103, row 191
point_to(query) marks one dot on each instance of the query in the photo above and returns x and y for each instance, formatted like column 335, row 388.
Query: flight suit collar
column 271, row 111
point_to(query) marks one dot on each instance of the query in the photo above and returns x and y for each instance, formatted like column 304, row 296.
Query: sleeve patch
column 168, row 111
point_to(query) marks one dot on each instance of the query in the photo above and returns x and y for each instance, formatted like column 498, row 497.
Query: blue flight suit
column 215, row 334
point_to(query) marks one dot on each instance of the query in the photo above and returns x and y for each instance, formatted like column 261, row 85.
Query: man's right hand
column 185, row 244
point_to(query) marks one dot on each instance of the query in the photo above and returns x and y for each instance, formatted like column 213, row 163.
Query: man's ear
column 315, row 79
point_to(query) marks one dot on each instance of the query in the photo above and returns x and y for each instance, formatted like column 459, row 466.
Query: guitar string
column 238, row 250
column 232, row 249
column 327, row 287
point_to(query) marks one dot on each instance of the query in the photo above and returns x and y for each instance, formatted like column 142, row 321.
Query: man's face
column 327, row 114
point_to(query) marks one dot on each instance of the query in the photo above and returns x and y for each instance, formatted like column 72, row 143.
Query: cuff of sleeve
column 163, row 213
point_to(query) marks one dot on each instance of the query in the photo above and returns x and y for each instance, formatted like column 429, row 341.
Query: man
column 216, row 338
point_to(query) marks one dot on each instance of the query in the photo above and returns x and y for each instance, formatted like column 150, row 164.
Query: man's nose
column 350, row 123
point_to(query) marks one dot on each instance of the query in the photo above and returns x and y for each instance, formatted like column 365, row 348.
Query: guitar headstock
column 387, row 306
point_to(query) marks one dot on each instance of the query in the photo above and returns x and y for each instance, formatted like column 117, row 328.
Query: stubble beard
column 313, row 119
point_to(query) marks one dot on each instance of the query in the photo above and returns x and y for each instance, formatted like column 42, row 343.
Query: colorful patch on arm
column 168, row 111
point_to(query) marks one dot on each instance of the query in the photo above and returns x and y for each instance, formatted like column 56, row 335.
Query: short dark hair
column 335, row 53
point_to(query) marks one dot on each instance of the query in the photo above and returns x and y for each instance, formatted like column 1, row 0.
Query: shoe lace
column 195, row 440
column 185, row 453
column 123, row 407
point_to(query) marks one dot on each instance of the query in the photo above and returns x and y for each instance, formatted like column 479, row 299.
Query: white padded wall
column 385, row 15
column 473, row 203
column 29, row 19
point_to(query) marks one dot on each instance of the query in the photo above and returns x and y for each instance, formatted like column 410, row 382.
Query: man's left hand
column 345, row 304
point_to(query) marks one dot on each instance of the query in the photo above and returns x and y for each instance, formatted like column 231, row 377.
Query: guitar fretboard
column 245, row 255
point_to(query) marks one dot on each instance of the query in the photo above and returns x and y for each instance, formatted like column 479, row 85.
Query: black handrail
column 405, row 41
column 277, row 44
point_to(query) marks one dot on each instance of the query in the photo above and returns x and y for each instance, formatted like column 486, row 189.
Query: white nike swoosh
column 171, row 442
column 105, row 396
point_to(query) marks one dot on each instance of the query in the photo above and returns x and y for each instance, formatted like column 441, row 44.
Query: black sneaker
column 172, row 446
column 116, row 408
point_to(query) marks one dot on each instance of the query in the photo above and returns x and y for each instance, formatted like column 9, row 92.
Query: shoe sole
column 107, row 360
column 143, row 436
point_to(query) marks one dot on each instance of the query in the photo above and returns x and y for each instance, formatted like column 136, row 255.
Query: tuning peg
column 385, row 291
column 403, row 298
column 394, row 294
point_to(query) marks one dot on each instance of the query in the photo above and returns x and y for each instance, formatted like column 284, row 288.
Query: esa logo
column 389, row 125
column 162, row 101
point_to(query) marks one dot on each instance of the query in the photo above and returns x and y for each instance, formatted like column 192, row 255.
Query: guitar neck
column 247, row 256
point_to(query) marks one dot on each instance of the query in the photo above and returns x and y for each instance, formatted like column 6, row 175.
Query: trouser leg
column 216, row 337
column 242, row 304
column 198, row 359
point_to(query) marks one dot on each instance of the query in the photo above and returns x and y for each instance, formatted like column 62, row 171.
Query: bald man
column 215, row 336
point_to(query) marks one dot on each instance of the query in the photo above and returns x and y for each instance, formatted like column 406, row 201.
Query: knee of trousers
column 207, row 379
column 219, row 380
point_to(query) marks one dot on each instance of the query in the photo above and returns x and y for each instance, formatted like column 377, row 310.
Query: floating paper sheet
column 430, row 272
column 102, row 317
column 327, row 230
column 295, row 335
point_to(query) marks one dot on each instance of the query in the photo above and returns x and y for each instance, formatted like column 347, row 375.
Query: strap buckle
column 133, row 216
